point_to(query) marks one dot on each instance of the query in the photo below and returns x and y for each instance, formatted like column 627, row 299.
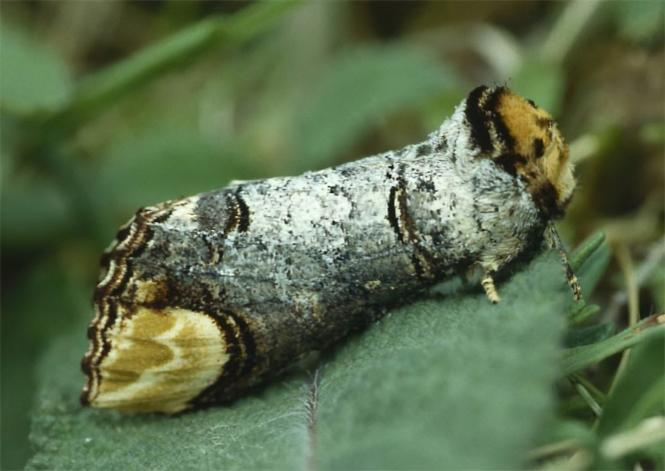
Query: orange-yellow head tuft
column 525, row 141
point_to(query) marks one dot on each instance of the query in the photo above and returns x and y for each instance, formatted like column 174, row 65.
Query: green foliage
column 636, row 400
column 638, row 393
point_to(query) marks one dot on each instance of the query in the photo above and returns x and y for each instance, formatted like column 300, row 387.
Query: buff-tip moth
column 201, row 298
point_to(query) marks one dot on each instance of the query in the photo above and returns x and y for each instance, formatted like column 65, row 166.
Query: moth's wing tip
column 158, row 360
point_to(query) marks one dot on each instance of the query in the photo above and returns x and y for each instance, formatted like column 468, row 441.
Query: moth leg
column 554, row 242
column 490, row 289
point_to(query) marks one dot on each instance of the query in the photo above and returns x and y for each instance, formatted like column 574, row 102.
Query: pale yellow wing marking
column 159, row 360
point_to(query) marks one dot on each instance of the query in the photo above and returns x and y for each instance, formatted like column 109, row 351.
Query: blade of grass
column 586, row 248
column 576, row 359
column 626, row 265
column 586, row 396
column 576, row 337
column 639, row 392
column 598, row 395
column 643, row 271
column 582, row 313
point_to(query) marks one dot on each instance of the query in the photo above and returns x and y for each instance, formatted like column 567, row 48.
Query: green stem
column 586, row 396
column 598, row 395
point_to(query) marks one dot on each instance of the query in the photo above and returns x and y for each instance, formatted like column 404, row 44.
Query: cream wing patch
column 159, row 360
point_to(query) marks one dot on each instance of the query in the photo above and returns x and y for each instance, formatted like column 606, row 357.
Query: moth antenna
column 554, row 241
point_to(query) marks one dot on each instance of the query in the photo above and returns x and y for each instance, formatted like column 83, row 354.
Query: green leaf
column 424, row 391
column 578, row 358
column 360, row 89
column 34, row 79
column 419, row 389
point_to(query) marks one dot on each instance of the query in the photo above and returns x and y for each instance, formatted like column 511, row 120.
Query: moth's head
column 525, row 141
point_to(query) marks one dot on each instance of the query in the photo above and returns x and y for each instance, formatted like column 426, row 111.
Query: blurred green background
column 109, row 106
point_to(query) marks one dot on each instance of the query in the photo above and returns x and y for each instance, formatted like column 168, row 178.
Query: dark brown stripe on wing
column 406, row 221
column 392, row 214
column 233, row 346
column 242, row 355
column 248, row 342
column 243, row 212
column 406, row 230
column 233, row 216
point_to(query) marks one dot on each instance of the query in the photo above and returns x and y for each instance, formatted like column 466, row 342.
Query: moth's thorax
column 525, row 141
column 471, row 213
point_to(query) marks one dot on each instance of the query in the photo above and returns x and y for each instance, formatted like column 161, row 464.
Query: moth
column 202, row 298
